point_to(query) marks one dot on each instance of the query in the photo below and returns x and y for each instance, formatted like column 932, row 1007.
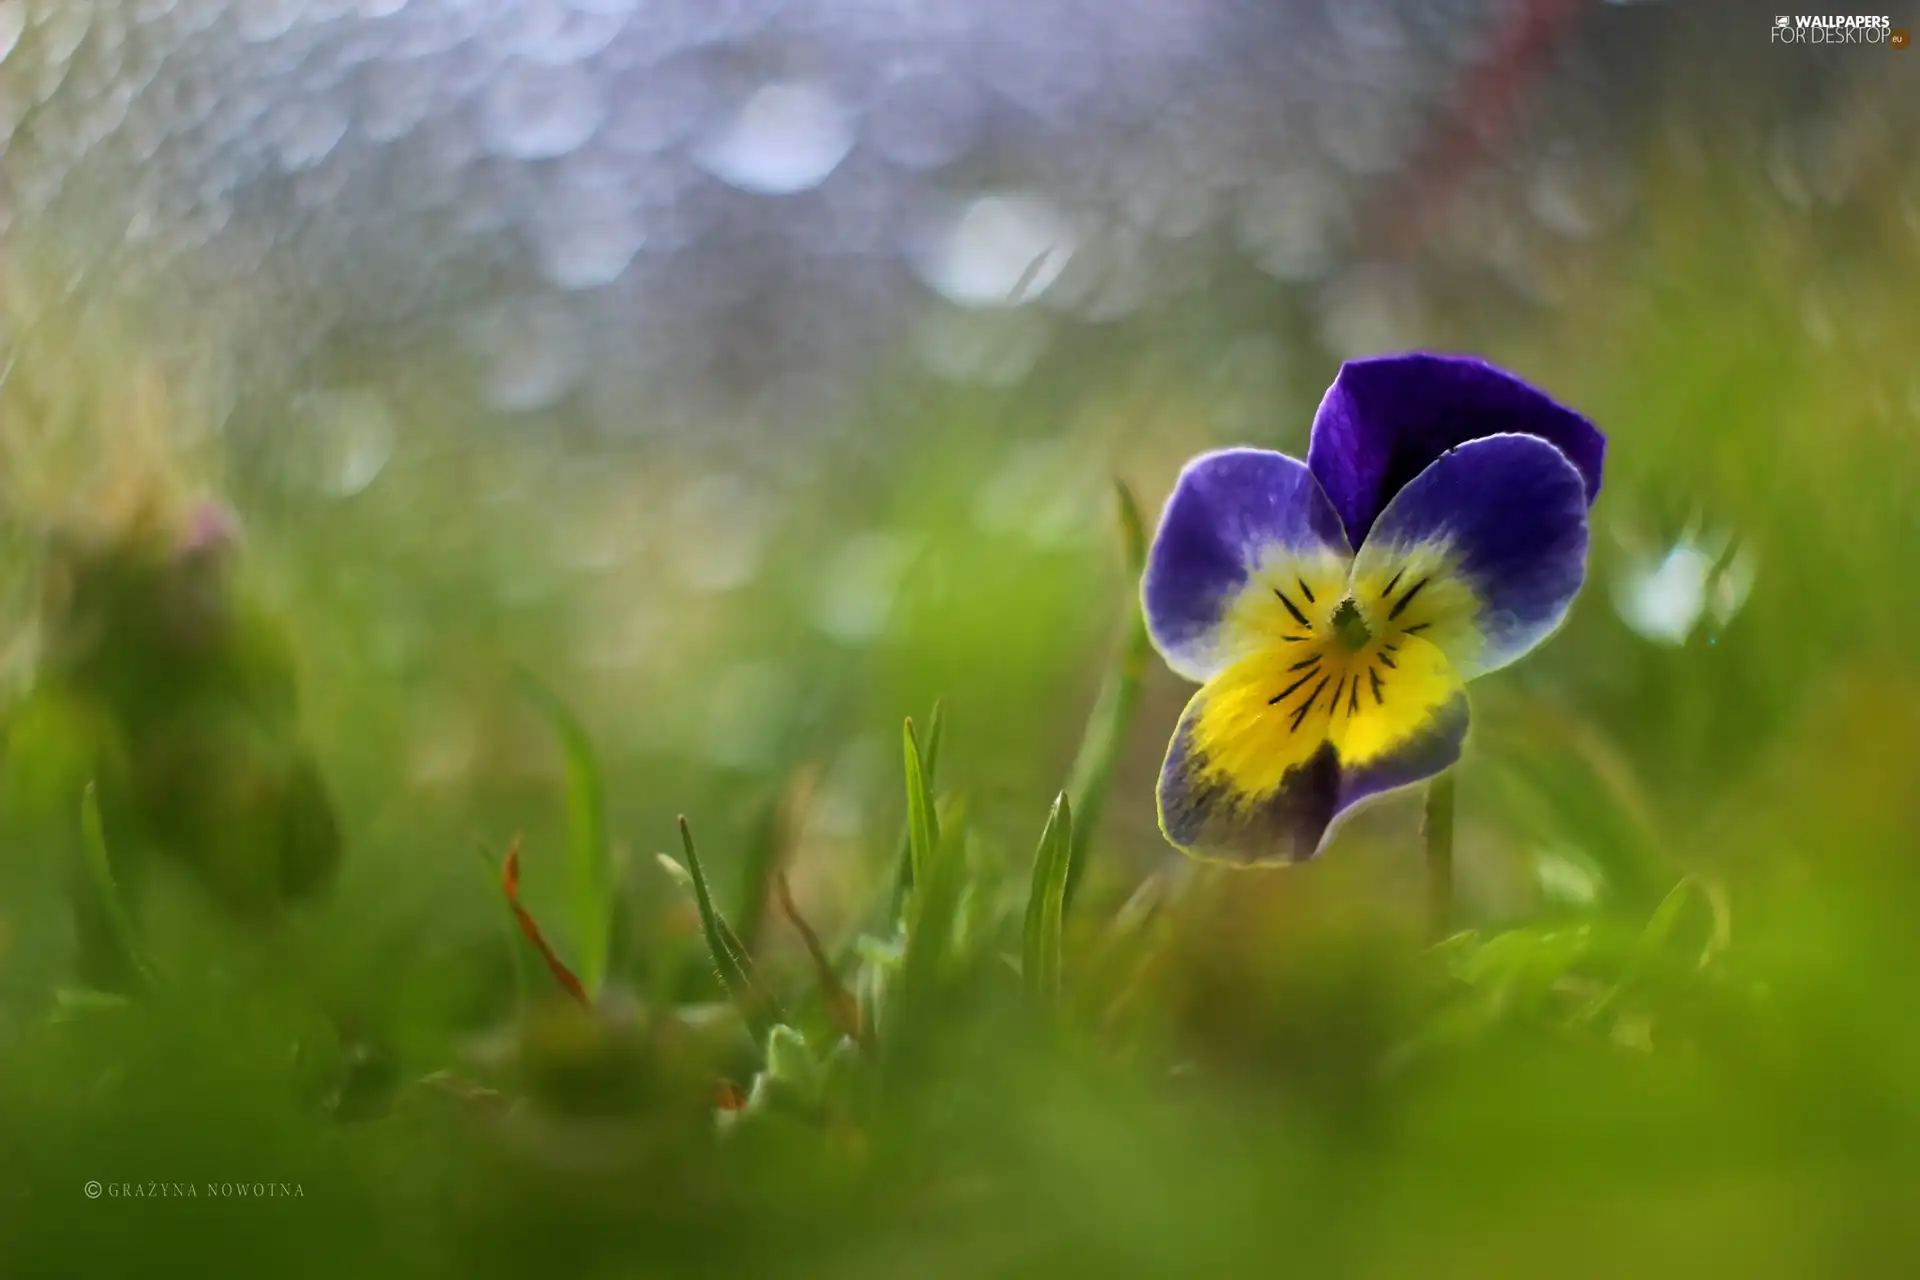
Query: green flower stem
column 1437, row 834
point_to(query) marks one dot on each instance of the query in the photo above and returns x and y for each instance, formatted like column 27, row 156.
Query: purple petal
column 1234, row 515
column 1482, row 554
column 1386, row 419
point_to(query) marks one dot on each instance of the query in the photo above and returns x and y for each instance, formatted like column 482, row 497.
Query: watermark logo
column 1830, row 28
column 246, row 1190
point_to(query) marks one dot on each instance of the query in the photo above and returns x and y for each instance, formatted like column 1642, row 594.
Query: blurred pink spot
column 211, row 527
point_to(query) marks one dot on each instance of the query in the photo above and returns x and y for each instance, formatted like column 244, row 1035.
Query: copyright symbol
column 93, row 1190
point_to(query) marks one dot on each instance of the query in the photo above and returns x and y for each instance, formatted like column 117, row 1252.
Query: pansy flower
column 1334, row 609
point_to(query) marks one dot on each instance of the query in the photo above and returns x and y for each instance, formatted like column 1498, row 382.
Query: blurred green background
column 1676, row 1038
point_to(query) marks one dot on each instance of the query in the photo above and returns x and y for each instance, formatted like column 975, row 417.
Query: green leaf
column 903, row 857
column 1046, row 902
column 588, row 861
column 93, row 843
column 1112, row 717
column 730, row 958
column 1519, row 970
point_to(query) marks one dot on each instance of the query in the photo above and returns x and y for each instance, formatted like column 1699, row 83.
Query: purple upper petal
column 1505, row 518
column 1386, row 418
column 1230, row 513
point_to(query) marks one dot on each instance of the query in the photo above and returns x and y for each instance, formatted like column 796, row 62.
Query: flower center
column 1348, row 627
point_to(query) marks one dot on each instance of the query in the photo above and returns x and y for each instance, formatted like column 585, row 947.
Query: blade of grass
column 730, row 958
column 588, row 860
column 903, row 860
column 1046, row 902
column 931, row 916
column 93, row 841
column 1113, row 712
column 734, row 943
column 923, row 823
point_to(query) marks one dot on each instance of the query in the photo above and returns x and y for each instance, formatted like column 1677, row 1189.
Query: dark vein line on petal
column 1305, row 590
column 1391, row 665
column 1412, row 630
column 1406, row 599
column 1276, row 698
column 1393, row 582
column 1298, row 616
column 1307, row 706
column 1333, row 707
column 1377, row 699
column 1304, row 663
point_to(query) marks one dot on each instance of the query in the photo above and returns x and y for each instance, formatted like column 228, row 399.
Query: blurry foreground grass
column 1679, row 1038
